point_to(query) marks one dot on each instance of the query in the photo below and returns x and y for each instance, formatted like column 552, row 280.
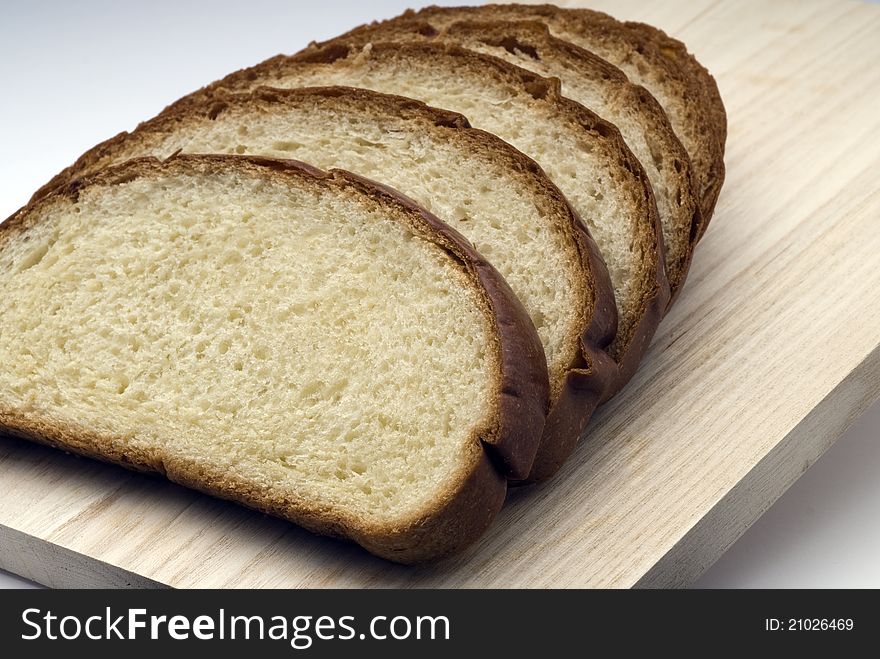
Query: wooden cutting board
column 769, row 355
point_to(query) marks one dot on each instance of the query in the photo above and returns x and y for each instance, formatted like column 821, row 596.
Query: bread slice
column 650, row 58
column 311, row 345
column 584, row 155
column 490, row 192
column 604, row 89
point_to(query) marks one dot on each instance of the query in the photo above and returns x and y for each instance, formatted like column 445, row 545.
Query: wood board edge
column 52, row 565
column 715, row 532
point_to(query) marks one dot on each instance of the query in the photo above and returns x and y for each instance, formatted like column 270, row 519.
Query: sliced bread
column 650, row 57
column 494, row 195
column 604, row 89
column 584, row 156
column 311, row 345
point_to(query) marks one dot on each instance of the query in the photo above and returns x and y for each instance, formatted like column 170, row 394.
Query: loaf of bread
column 649, row 57
column 585, row 156
column 494, row 195
column 599, row 86
column 500, row 205
column 311, row 345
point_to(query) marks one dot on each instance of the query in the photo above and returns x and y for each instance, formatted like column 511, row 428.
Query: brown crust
column 590, row 371
column 508, row 440
column 589, row 381
column 700, row 82
column 696, row 88
column 533, row 41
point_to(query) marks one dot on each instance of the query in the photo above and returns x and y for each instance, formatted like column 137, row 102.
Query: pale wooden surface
column 773, row 349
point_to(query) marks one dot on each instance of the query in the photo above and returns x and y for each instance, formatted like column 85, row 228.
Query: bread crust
column 691, row 82
column 502, row 445
column 700, row 82
column 533, row 41
column 590, row 372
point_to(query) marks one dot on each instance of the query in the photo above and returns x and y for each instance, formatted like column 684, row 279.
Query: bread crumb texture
column 472, row 184
column 294, row 335
column 497, row 101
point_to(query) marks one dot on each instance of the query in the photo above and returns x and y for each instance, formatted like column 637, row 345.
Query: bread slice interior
column 303, row 343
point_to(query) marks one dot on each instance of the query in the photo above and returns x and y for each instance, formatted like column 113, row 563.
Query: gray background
column 75, row 73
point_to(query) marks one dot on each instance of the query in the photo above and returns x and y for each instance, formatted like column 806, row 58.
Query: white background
column 75, row 73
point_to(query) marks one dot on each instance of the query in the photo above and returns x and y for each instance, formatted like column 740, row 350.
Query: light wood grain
column 773, row 349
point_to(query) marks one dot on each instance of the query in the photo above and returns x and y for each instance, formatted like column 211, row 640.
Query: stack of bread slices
column 369, row 286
